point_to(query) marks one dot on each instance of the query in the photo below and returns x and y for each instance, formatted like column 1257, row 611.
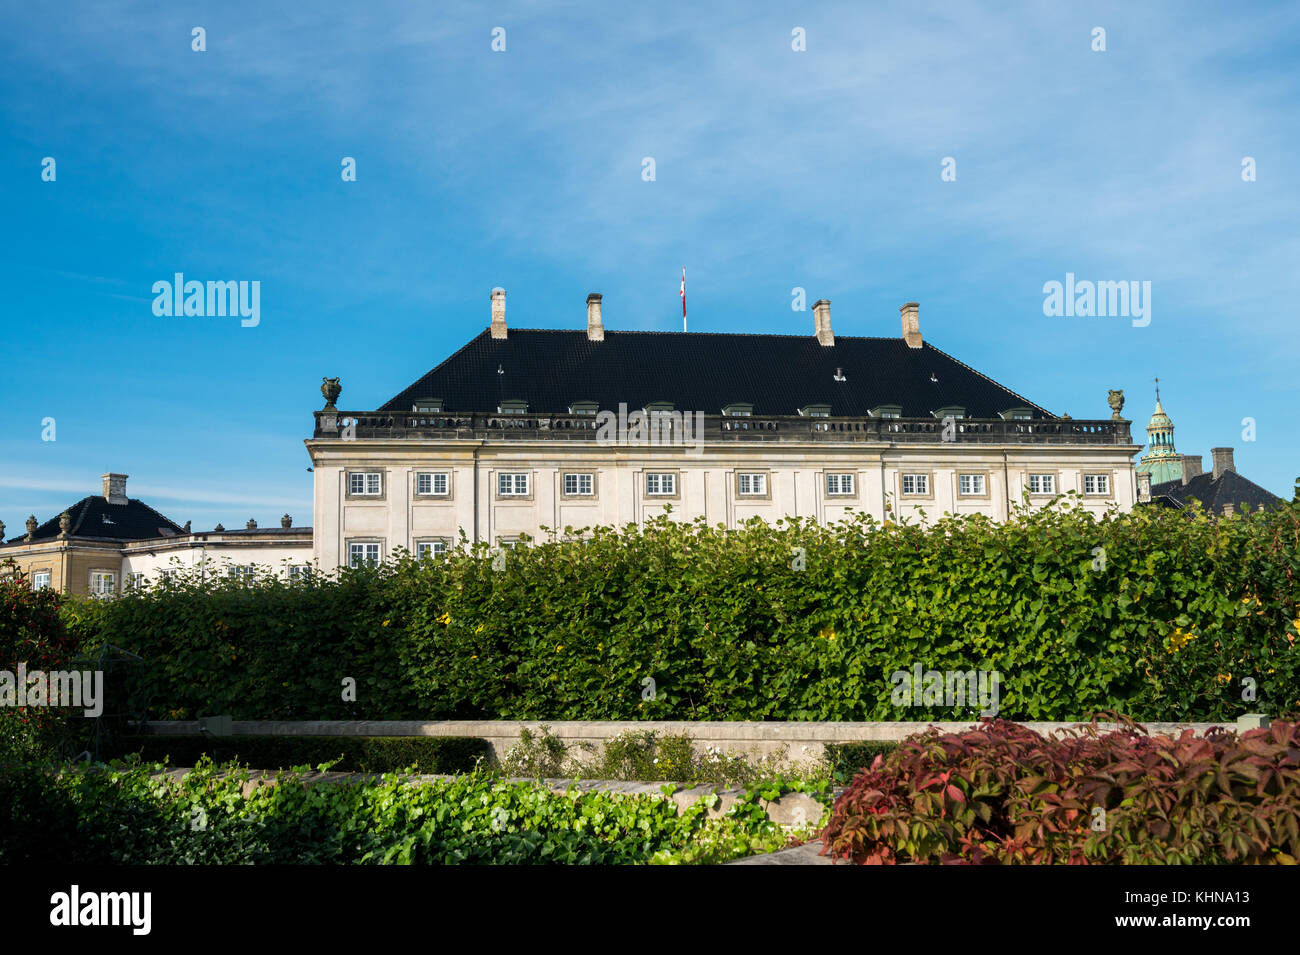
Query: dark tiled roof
column 94, row 517
column 704, row 371
column 1230, row 488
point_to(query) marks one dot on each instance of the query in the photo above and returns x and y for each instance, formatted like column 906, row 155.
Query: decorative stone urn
column 218, row 528
column 251, row 525
column 286, row 521
column 31, row 526
column 65, row 523
column 1116, row 401
column 331, row 389
column 2, row 532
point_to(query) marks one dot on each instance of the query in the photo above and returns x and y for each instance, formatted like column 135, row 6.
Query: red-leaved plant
column 1000, row 793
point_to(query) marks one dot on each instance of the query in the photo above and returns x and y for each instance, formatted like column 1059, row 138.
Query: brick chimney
column 1222, row 461
column 115, row 488
column 912, row 324
column 1191, row 467
column 1144, row 487
column 595, row 330
column 498, row 313
column 822, row 321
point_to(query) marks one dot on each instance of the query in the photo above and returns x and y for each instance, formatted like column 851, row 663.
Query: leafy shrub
column 126, row 816
column 1155, row 613
column 32, row 631
column 362, row 754
column 1003, row 794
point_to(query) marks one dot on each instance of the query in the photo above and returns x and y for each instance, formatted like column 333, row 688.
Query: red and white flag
column 683, row 298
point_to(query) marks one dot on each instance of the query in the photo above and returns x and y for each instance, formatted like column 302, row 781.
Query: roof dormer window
column 887, row 411
column 513, row 406
column 427, row 405
column 1017, row 414
column 950, row 411
column 654, row 406
column 738, row 410
column 584, row 407
column 815, row 411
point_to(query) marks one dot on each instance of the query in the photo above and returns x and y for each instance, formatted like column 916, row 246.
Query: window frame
column 673, row 495
column 763, row 495
column 925, row 495
column 364, row 542
column 1106, row 476
column 102, row 572
column 47, row 573
column 431, row 543
column 851, row 494
column 431, row 475
column 985, row 480
column 579, row 495
column 364, row 495
column 1055, row 477
column 527, row 495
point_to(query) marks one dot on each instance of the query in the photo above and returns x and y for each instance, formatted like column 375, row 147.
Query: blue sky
column 523, row 169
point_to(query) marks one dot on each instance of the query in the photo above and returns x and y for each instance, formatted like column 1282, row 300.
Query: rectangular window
column 512, row 485
column 751, row 485
column 299, row 572
column 40, row 580
column 916, row 484
column 578, row 485
column 102, row 582
column 365, row 483
column 971, row 483
column 134, row 581
column 1042, row 484
column 1096, row 484
column 433, row 483
column 241, row 571
column 660, row 484
column 839, row 484
column 430, row 549
column 363, row 553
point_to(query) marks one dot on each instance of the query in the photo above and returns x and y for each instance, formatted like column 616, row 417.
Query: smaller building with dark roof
column 107, row 541
column 1220, row 491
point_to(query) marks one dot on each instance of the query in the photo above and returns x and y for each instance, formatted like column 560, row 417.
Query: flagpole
column 683, row 298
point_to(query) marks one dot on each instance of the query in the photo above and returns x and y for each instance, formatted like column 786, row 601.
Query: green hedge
column 1156, row 613
column 361, row 754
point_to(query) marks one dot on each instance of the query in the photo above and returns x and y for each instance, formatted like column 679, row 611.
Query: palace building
column 521, row 430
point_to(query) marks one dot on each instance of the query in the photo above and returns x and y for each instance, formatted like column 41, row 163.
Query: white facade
column 918, row 481
column 215, row 553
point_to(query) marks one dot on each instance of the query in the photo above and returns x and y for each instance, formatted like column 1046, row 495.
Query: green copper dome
column 1162, row 459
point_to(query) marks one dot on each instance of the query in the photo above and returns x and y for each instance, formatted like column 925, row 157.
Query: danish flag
column 683, row 298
